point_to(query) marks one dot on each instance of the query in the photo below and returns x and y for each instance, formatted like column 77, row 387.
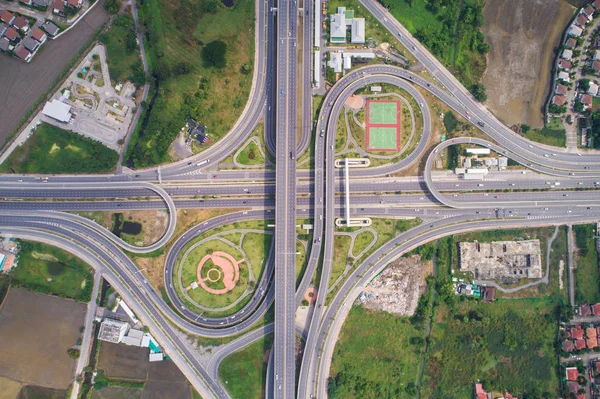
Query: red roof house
column 573, row 386
column 23, row 54
column 74, row 3
column 592, row 342
column 597, row 4
column 39, row 35
column 11, row 34
column 585, row 310
column 577, row 332
column 590, row 332
column 568, row 346
column 596, row 309
column 589, row 11
column 21, row 23
column 561, row 89
column 558, row 100
column 580, row 396
column 564, row 64
column 596, row 66
column 570, row 42
column 58, row 6
column 580, row 344
column 581, row 21
column 480, row 393
column 572, row 373
column 7, row 17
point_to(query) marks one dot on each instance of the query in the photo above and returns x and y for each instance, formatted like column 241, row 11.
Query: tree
column 578, row 107
column 246, row 68
column 584, row 84
column 182, row 68
column 73, row 353
column 163, row 70
column 525, row 128
column 112, row 6
column 478, row 91
column 213, row 54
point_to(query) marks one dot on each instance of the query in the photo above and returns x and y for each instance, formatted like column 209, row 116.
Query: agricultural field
column 244, row 372
column 522, row 51
column 190, row 45
column 22, row 85
column 30, row 321
column 54, row 150
column 123, row 52
column 127, row 373
column 376, row 356
column 509, row 344
column 50, row 270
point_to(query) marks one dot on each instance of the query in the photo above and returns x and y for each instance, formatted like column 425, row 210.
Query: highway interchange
column 445, row 207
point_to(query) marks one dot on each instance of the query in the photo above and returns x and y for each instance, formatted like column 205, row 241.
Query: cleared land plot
column 22, row 84
column 9, row 389
column 521, row 56
column 123, row 361
column 40, row 329
column 54, row 150
column 374, row 357
column 50, row 270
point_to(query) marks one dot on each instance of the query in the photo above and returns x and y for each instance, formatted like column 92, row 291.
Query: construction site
column 501, row 259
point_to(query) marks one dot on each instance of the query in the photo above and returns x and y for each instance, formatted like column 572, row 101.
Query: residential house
column 23, row 54
column 580, row 344
column 596, row 309
column 40, row 3
column 581, row 21
column 28, row 2
column 21, row 23
column 588, row 12
column 50, row 28
column 39, row 35
column 576, row 332
column 31, row 44
column 58, row 6
column 568, row 346
column 11, row 34
column 559, row 100
column 564, row 76
column 567, row 54
column 4, row 44
column 592, row 342
column 586, row 100
column 335, row 61
column 75, row 3
column 574, row 31
column 573, row 387
column 570, row 43
column 337, row 32
column 596, row 4
column 480, row 393
column 593, row 90
column 561, row 89
column 7, row 17
column 564, row 64
column 357, row 31
column 596, row 66
column 597, row 55
column 3, row 29
column 585, row 310
column 572, row 373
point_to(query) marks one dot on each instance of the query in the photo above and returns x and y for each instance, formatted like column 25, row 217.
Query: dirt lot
column 36, row 330
column 163, row 379
column 398, row 288
column 22, row 84
column 122, row 361
column 523, row 36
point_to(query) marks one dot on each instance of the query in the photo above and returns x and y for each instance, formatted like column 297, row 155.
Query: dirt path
column 523, row 36
column 22, row 84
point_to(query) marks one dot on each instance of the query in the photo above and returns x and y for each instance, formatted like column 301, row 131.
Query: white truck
column 203, row 162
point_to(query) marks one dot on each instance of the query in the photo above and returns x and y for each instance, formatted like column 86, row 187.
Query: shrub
column 213, row 54
column 112, row 6
column 73, row 353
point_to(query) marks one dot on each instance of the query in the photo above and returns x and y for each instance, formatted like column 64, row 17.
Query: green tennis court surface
column 383, row 138
column 382, row 113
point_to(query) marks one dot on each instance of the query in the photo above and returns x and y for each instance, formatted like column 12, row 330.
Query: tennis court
column 383, row 112
column 383, row 125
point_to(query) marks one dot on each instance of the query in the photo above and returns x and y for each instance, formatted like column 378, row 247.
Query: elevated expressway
column 106, row 255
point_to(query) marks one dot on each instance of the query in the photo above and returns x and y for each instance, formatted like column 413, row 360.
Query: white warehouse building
column 57, row 110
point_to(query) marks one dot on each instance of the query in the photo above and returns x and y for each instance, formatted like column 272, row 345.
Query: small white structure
column 127, row 310
column 593, row 89
column 317, row 18
column 317, row 68
column 467, row 163
column 567, row 54
column 460, row 171
column 335, row 61
column 357, row 31
column 112, row 330
column 574, row 31
column 347, row 62
column 156, row 357
column 58, row 110
column 376, row 89
column 480, row 171
column 478, row 151
column 502, row 162
column 133, row 338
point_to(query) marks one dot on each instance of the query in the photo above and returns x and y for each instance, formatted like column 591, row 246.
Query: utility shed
column 57, row 110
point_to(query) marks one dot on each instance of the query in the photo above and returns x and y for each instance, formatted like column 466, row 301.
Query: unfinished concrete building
column 501, row 259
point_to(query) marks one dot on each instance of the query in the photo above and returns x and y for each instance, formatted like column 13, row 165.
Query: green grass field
column 54, row 150
column 123, row 52
column 507, row 344
column 374, row 357
column 381, row 138
column 383, row 112
column 50, row 270
column 244, row 373
column 552, row 134
column 586, row 273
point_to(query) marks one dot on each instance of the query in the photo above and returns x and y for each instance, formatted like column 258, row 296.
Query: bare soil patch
column 117, row 393
column 22, row 84
column 123, row 361
column 524, row 36
column 398, row 288
column 37, row 330
column 9, row 389
column 167, row 390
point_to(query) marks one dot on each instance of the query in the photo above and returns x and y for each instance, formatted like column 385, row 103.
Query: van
column 480, row 185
